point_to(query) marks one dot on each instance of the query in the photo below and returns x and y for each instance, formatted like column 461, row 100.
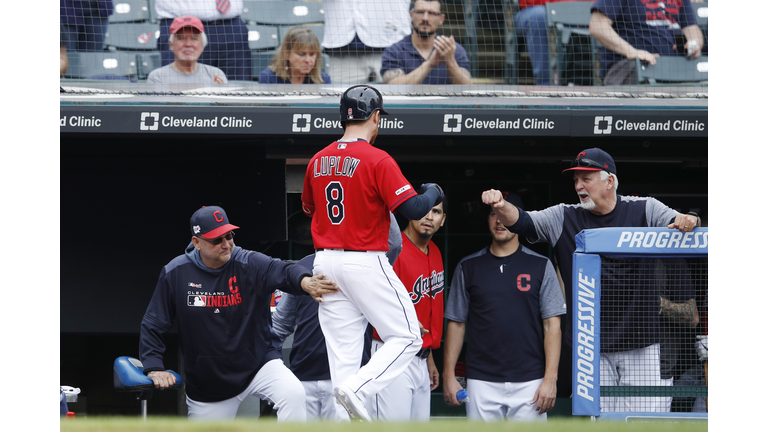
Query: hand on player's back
column 318, row 285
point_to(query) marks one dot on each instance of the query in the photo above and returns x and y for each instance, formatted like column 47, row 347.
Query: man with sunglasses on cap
column 596, row 183
column 219, row 295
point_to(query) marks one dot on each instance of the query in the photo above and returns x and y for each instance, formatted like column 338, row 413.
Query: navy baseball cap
column 210, row 222
column 593, row 159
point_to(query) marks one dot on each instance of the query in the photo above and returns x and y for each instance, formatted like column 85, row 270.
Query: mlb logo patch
column 341, row 146
column 349, row 114
column 196, row 300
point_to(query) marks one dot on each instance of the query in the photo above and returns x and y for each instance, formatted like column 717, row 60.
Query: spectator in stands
column 531, row 26
column 596, row 184
column 356, row 34
column 85, row 23
column 63, row 59
column 187, row 42
column 424, row 57
column 507, row 300
column 298, row 60
column 639, row 29
column 227, row 34
column 309, row 355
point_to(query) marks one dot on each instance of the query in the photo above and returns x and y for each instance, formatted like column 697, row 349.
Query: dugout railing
column 646, row 262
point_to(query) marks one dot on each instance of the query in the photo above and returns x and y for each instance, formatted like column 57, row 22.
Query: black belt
column 423, row 353
column 345, row 250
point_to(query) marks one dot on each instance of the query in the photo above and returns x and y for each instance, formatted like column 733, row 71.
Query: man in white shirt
column 356, row 34
column 227, row 34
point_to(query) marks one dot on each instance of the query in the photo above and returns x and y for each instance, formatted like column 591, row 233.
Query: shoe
column 348, row 399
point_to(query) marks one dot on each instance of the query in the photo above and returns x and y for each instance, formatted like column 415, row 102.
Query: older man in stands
column 424, row 57
column 187, row 42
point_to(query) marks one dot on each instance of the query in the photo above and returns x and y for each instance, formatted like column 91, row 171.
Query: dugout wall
column 644, row 266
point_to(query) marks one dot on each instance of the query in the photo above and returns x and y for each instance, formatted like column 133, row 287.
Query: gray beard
column 588, row 205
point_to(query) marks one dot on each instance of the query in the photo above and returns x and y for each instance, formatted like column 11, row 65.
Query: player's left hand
column 318, row 285
column 422, row 329
column 434, row 374
column 545, row 396
column 684, row 222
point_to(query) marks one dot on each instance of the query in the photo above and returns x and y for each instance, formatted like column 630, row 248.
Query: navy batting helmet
column 359, row 102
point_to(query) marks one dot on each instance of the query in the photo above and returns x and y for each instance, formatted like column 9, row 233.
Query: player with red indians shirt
column 349, row 189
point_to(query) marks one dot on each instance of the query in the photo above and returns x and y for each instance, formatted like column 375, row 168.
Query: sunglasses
column 217, row 241
column 587, row 163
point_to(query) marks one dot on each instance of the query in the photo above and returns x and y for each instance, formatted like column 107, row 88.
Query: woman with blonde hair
column 297, row 61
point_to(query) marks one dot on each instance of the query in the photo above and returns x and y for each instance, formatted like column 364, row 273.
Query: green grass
column 171, row 424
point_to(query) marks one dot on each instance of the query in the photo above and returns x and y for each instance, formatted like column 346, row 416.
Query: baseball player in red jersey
column 349, row 189
column 420, row 268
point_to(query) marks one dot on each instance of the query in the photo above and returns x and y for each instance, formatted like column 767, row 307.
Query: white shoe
column 348, row 399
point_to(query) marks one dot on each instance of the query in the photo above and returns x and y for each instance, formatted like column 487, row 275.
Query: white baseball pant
column 408, row 398
column 274, row 382
column 369, row 291
column 320, row 402
column 497, row 401
column 640, row 367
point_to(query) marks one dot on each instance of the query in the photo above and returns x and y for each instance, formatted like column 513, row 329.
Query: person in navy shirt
column 218, row 295
column 424, row 57
column 298, row 60
column 630, row 29
column 507, row 299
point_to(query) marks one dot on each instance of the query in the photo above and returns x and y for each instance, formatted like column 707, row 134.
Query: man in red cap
column 187, row 42
column 219, row 295
column 595, row 181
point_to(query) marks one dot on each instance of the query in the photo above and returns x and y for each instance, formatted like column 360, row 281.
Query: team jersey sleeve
column 157, row 321
column 547, row 223
column 657, row 214
column 392, row 185
column 284, row 318
column 277, row 274
column 457, row 305
column 395, row 240
column 551, row 301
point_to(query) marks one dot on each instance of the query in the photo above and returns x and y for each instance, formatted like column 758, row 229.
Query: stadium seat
column 261, row 60
column 128, row 376
column 129, row 11
column 317, row 28
column 262, row 37
column 673, row 69
column 102, row 65
column 147, row 62
column 282, row 13
column 132, row 36
column 575, row 49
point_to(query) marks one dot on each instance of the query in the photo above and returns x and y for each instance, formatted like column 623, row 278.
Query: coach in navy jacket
column 220, row 295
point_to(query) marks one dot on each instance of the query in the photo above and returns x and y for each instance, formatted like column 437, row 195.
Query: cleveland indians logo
column 430, row 286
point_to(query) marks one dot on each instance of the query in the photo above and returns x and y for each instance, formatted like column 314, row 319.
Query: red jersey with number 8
column 349, row 190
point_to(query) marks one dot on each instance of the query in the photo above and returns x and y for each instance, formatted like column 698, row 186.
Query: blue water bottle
column 461, row 396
